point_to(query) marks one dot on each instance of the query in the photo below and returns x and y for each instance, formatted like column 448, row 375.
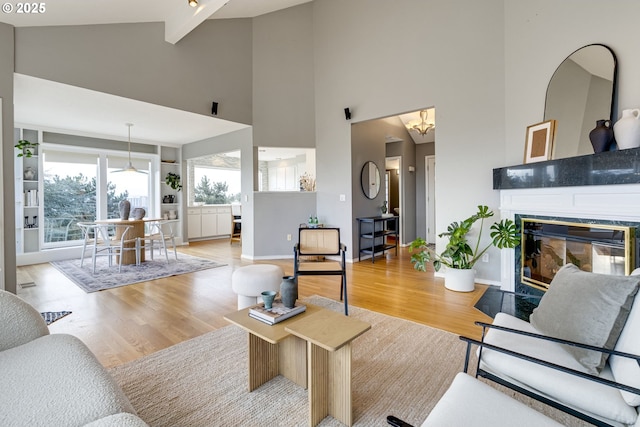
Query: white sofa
column 596, row 310
column 53, row 380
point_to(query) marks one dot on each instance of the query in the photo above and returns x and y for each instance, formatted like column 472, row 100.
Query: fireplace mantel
column 608, row 168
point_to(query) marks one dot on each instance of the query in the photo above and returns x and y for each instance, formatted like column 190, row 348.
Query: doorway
column 430, row 197
column 393, row 190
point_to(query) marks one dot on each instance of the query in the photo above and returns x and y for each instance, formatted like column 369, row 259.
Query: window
column 286, row 169
column 215, row 179
column 73, row 191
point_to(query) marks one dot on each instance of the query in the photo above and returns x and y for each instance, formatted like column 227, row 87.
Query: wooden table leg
column 263, row 361
column 340, row 385
column 330, row 384
column 293, row 360
column 318, row 383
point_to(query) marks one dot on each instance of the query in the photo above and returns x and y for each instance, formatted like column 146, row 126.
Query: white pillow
column 587, row 308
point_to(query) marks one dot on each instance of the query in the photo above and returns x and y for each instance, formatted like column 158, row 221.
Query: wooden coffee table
column 328, row 335
column 311, row 349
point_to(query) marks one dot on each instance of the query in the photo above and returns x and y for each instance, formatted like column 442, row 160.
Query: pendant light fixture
column 129, row 167
column 422, row 126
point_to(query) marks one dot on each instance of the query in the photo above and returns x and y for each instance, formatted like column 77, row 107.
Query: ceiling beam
column 183, row 19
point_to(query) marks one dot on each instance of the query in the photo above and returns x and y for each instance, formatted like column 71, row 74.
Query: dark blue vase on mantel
column 601, row 136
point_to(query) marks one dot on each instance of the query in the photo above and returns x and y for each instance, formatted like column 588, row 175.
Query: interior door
column 430, row 186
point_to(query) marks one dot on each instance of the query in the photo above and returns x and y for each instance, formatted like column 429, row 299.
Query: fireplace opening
column 548, row 244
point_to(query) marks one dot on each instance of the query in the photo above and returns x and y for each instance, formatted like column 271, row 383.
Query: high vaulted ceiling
column 59, row 107
column 178, row 16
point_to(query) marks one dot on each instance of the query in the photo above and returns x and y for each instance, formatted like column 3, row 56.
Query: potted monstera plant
column 459, row 256
column 173, row 181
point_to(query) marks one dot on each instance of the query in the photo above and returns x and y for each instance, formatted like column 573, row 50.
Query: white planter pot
column 627, row 129
column 460, row 280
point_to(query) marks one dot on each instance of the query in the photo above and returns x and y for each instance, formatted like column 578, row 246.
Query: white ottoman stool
column 249, row 282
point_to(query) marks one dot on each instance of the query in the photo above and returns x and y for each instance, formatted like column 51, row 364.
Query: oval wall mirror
column 581, row 91
column 370, row 180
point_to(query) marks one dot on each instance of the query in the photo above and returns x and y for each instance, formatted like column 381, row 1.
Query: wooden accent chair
column 236, row 223
column 314, row 245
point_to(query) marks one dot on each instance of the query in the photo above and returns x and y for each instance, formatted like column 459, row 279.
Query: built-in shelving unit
column 28, row 191
column 170, row 199
column 374, row 233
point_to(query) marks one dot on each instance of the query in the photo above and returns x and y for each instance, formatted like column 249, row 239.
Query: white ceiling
column 69, row 109
column 59, row 107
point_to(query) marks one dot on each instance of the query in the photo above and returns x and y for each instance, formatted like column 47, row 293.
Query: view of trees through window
column 70, row 193
column 216, row 186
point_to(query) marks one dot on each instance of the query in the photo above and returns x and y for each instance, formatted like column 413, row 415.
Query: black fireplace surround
column 607, row 168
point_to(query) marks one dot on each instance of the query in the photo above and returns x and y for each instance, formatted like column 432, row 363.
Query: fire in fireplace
column 548, row 244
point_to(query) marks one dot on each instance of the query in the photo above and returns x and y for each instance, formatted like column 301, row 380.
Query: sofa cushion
column 470, row 402
column 55, row 380
column 625, row 370
column 585, row 395
column 20, row 322
column 587, row 308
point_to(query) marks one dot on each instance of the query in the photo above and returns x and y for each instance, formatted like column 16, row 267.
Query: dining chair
column 236, row 223
column 89, row 238
column 161, row 232
column 109, row 240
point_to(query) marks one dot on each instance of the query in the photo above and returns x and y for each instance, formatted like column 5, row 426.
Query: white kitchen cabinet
column 209, row 221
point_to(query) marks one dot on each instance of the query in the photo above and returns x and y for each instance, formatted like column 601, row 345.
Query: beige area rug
column 399, row 368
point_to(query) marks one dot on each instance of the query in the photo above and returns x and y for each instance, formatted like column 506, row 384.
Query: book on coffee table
column 277, row 313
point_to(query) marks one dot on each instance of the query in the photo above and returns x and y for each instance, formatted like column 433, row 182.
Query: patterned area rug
column 52, row 316
column 107, row 277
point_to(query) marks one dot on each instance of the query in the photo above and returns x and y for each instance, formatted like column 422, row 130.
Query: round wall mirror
column 370, row 180
column 580, row 92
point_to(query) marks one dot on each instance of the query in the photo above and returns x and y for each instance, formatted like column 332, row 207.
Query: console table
column 372, row 235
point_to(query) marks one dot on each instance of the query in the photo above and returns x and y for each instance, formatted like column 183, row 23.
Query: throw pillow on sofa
column 587, row 308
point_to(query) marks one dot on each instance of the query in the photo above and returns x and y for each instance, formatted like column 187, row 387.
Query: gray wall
column 8, row 194
column 283, row 91
column 213, row 63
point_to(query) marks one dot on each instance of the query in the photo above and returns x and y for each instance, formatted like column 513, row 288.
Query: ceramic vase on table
column 138, row 213
column 601, row 136
column 289, row 291
column 627, row 129
column 125, row 208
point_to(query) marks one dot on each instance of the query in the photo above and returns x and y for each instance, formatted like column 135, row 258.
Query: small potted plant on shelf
column 173, row 181
column 458, row 256
column 27, row 148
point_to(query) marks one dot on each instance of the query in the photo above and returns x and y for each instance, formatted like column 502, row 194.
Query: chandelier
column 422, row 126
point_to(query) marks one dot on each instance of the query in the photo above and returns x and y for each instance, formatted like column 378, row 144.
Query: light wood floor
column 123, row 324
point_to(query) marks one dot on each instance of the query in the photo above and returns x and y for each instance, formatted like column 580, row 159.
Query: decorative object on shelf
column 169, row 198
column 458, row 254
column 172, row 214
column 27, row 149
column 313, row 222
column 129, row 167
column 307, row 183
column 173, row 181
column 125, row 208
column 384, row 208
column 31, row 224
column 539, row 145
column 627, row 129
column 601, row 136
column 289, row 291
column 138, row 213
column 29, row 173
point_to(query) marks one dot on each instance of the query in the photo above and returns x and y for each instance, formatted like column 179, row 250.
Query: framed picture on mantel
column 539, row 146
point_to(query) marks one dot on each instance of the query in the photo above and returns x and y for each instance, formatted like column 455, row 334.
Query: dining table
column 137, row 228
